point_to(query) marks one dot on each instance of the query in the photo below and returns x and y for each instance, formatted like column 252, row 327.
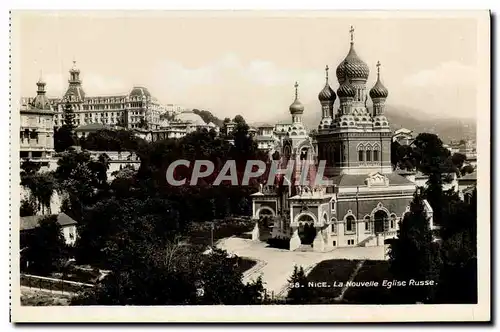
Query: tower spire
column 351, row 31
column 296, row 90
column 40, row 77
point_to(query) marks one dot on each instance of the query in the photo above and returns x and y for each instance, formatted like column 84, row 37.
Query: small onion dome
column 296, row 106
column 327, row 94
column 346, row 90
column 379, row 90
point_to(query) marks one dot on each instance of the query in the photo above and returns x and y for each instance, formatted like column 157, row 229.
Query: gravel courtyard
column 276, row 265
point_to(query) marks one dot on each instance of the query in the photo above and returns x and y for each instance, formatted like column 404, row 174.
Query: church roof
column 354, row 180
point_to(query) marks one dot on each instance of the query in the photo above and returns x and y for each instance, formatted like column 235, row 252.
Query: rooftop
column 31, row 222
column 354, row 180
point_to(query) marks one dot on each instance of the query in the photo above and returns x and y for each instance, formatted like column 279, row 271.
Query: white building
column 403, row 136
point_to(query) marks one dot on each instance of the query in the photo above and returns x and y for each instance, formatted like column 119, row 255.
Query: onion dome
column 378, row 90
column 296, row 106
column 327, row 94
column 352, row 66
column 346, row 90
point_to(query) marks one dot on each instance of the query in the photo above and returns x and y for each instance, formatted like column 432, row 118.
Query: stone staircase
column 304, row 248
column 371, row 241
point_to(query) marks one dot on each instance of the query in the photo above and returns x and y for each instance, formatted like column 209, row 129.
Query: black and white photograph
column 297, row 164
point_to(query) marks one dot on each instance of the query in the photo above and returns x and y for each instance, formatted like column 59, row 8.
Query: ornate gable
column 377, row 180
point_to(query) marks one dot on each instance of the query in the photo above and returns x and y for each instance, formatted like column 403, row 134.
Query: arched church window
column 377, row 124
column 360, row 155
column 375, row 155
column 344, row 123
column 384, row 124
column 367, row 223
column 368, row 155
column 393, row 220
column 349, row 224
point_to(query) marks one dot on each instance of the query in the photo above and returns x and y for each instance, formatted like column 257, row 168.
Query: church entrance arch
column 307, row 232
column 266, row 216
column 381, row 219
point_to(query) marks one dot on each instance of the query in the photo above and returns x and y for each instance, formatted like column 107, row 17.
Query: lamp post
column 212, row 233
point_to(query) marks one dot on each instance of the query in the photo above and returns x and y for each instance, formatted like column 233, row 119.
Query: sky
column 247, row 64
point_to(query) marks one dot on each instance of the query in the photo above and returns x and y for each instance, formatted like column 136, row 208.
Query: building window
column 334, row 243
column 360, row 155
column 367, row 223
column 368, row 155
column 349, row 225
column 375, row 155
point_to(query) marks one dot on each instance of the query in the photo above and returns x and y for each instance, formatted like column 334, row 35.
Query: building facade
column 132, row 110
column 37, row 128
column 364, row 199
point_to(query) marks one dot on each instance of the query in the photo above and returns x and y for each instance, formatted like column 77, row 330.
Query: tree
column 83, row 180
column 174, row 275
column 435, row 161
column 28, row 208
column 143, row 123
column 69, row 116
column 299, row 292
column 41, row 187
column 221, row 281
column 467, row 169
column 458, row 159
column 63, row 139
column 413, row 255
column 402, row 157
column 29, row 168
column 45, row 248
column 459, row 251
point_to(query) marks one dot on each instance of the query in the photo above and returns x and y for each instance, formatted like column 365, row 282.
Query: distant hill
column 402, row 117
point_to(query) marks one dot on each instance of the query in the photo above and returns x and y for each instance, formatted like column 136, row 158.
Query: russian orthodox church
column 364, row 200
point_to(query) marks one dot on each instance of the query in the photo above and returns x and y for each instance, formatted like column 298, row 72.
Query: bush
column 279, row 243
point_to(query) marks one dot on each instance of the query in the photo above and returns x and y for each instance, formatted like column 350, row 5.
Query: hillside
column 208, row 117
column 403, row 117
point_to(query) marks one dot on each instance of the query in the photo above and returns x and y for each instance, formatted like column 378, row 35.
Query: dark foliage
column 44, row 248
column 413, row 255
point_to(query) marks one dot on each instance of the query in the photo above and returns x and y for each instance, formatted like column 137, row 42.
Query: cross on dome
column 351, row 31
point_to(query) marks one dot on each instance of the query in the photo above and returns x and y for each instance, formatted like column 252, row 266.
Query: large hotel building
column 127, row 110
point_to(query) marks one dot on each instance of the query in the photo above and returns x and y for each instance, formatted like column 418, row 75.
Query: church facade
column 364, row 200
